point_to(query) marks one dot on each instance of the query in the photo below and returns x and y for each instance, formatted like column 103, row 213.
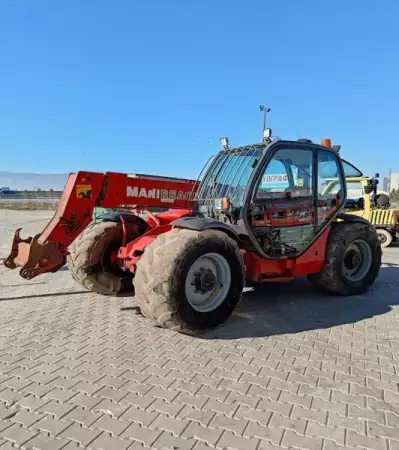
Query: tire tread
column 159, row 267
column 330, row 280
column 85, row 248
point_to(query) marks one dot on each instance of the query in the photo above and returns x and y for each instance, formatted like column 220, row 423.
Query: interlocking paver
column 255, row 430
column 142, row 434
column 366, row 414
column 337, row 434
column 43, row 441
column 196, row 415
column 369, row 442
column 83, row 436
column 202, row 433
column 17, row 434
column 144, row 418
column 8, row 396
column 109, row 424
column 393, row 444
column 6, row 445
column 392, row 420
column 274, row 406
column 232, row 441
column 305, row 371
column 169, row 441
column 377, row 430
column 60, row 395
column 82, row 416
column 51, row 425
column 173, row 425
column 27, row 418
column 58, row 410
column 294, row 440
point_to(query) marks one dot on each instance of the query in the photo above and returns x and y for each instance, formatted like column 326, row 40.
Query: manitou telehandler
column 256, row 213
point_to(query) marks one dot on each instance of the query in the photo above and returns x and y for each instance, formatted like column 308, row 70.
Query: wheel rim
column 382, row 237
column 208, row 282
column 357, row 260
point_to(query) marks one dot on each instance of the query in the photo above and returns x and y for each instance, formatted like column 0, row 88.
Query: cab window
column 350, row 170
column 288, row 174
column 329, row 200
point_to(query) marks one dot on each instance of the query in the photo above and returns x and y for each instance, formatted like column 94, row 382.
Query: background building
column 391, row 182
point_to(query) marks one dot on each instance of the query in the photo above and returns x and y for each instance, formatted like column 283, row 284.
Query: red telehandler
column 257, row 213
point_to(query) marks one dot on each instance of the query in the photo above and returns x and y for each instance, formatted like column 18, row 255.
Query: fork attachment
column 34, row 257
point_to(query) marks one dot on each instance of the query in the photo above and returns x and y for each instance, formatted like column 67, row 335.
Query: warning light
column 326, row 143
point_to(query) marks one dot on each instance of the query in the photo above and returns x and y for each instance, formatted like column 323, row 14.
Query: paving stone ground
column 291, row 369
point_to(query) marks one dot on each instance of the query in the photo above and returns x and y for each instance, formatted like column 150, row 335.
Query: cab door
column 331, row 187
column 283, row 202
column 288, row 208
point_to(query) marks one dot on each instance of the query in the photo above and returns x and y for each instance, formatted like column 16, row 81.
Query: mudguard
column 116, row 217
column 352, row 218
column 205, row 223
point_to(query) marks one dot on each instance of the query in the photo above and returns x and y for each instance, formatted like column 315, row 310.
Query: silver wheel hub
column 208, row 282
column 357, row 260
column 382, row 237
column 204, row 281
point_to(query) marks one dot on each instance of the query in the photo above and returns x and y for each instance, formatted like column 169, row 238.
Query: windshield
column 328, row 169
column 350, row 170
column 328, row 173
column 229, row 174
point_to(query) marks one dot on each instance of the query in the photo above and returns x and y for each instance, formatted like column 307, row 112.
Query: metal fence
column 31, row 195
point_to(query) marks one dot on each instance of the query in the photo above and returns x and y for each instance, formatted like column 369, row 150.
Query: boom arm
column 82, row 193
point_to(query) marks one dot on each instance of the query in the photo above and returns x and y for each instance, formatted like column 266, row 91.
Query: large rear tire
column 190, row 281
column 89, row 258
column 353, row 260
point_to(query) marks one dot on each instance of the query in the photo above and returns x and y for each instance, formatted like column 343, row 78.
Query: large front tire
column 190, row 281
column 353, row 260
column 89, row 258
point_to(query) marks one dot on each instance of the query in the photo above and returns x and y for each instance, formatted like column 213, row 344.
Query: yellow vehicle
column 367, row 203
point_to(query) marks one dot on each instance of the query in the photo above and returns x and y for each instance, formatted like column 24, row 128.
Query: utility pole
column 265, row 110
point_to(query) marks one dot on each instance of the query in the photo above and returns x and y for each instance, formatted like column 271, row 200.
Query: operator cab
column 272, row 193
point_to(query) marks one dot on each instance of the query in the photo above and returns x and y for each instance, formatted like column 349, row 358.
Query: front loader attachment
column 47, row 252
column 33, row 256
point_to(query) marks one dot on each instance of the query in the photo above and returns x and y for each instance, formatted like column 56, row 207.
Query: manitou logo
column 164, row 195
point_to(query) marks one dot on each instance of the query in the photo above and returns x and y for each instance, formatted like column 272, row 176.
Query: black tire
column 87, row 254
column 385, row 237
column 161, row 275
column 332, row 279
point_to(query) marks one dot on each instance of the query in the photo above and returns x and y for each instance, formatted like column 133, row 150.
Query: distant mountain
column 30, row 181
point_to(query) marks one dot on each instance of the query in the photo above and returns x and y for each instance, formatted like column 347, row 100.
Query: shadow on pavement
column 279, row 308
column 53, row 294
column 15, row 285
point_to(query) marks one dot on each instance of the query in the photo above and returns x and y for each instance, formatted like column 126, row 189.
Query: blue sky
column 150, row 86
